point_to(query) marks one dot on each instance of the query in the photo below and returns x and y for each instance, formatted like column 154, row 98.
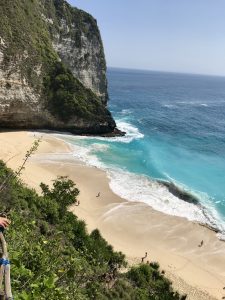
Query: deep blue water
column 176, row 132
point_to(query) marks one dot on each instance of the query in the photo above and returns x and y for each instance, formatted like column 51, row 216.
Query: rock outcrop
column 52, row 68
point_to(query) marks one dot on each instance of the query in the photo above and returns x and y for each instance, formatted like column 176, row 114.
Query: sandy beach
column 131, row 227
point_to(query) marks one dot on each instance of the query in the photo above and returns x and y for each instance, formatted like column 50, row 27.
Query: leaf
column 25, row 296
column 50, row 281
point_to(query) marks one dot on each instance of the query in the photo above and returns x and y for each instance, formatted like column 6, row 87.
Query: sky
column 185, row 36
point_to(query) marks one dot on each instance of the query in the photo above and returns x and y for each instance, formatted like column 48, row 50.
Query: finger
column 4, row 223
column 7, row 221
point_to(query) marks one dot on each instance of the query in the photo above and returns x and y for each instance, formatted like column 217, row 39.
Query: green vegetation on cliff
column 53, row 257
column 27, row 42
column 67, row 97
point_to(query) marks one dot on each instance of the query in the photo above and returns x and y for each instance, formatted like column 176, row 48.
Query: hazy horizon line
column 166, row 71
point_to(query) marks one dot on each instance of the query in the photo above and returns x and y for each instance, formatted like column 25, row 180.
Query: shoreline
column 131, row 227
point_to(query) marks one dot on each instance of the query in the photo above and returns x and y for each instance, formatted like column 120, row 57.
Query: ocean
column 175, row 128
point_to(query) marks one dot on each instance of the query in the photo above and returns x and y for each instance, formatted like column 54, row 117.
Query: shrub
column 53, row 257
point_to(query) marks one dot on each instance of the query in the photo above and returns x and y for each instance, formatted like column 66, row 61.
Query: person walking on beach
column 201, row 244
column 98, row 194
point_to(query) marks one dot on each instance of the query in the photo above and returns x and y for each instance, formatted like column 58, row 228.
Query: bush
column 53, row 257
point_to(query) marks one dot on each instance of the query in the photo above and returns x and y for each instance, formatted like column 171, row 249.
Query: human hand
column 4, row 222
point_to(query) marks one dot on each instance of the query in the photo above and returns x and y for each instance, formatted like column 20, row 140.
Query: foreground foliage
column 53, row 256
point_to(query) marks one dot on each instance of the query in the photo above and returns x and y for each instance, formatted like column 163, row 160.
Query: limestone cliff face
column 52, row 68
column 78, row 42
column 19, row 101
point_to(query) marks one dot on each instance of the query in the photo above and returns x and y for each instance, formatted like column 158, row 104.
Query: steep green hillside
column 53, row 257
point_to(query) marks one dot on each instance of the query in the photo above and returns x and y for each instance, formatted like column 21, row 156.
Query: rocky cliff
column 52, row 68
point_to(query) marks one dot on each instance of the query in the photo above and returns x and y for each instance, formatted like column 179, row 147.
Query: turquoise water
column 175, row 128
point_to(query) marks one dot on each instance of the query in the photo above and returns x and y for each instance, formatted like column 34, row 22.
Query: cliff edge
column 52, row 68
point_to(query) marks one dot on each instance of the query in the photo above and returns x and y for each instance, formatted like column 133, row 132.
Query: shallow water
column 175, row 132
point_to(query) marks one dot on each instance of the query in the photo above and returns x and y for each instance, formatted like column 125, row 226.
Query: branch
column 17, row 173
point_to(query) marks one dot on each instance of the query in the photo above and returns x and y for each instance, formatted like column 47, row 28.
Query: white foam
column 141, row 188
column 169, row 105
column 221, row 236
column 84, row 154
column 126, row 112
column 132, row 132
column 178, row 103
column 87, row 155
column 192, row 103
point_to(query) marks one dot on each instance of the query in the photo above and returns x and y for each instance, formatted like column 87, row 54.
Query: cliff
column 52, row 68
